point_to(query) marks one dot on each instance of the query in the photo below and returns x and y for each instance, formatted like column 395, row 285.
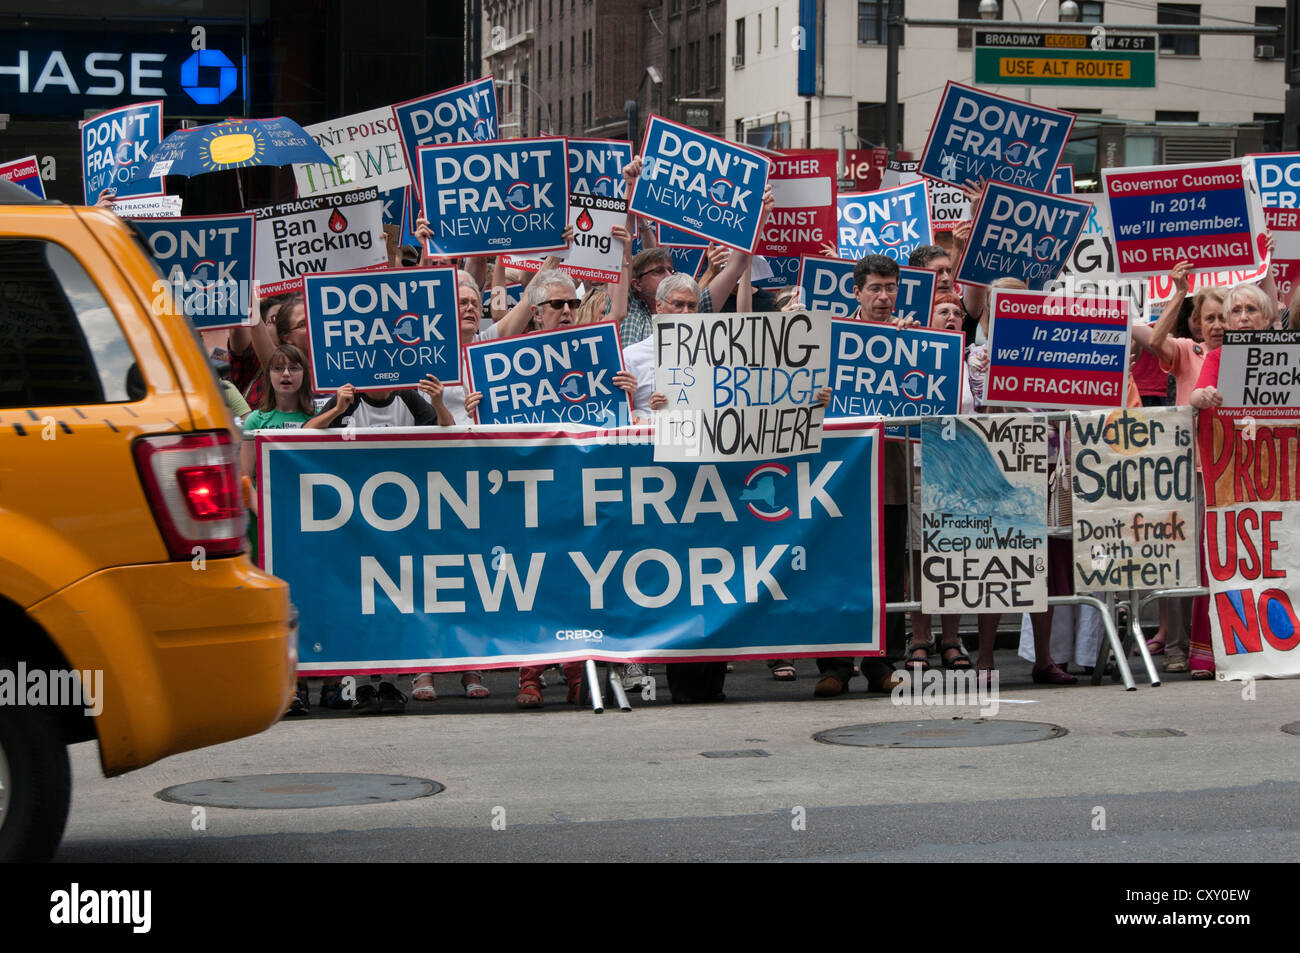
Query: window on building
column 758, row 35
column 872, row 122
column 776, row 28
column 969, row 10
column 1179, row 14
column 674, row 8
column 550, row 9
column 693, row 67
column 559, row 126
column 675, row 71
column 1092, row 13
column 1177, row 115
column 549, row 63
column 740, row 41
column 573, row 115
column 573, row 60
column 1270, row 47
column 714, row 66
column 560, row 55
column 873, row 23
column 1271, row 130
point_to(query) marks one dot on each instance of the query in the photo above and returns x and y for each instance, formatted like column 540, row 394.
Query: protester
column 653, row 264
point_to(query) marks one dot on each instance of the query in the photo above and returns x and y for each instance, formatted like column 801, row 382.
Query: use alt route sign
column 1043, row 58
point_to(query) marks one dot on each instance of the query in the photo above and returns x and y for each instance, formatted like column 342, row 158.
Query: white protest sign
column 154, row 206
column 594, row 254
column 984, row 514
column 740, row 386
column 1134, row 499
column 341, row 231
column 1260, row 371
column 367, row 151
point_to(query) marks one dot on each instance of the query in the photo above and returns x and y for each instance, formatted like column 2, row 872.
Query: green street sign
column 1043, row 58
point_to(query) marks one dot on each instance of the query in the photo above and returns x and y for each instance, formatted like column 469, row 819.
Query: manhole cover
column 940, row 734
column 742, row 753
column 1152, row 733
column 1293, row 728
column 300, row 790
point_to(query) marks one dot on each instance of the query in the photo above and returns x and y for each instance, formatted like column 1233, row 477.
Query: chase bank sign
column 66, row 73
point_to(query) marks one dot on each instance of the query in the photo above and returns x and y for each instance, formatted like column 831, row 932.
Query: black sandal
column 913, row 661
column 960, row 662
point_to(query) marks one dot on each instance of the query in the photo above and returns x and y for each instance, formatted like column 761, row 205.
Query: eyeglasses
column 661, row 270
column 559, row 303
column 299, row 326
column 290, row 368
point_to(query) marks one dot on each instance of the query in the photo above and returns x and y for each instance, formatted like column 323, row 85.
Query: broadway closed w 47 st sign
column 1042, row 58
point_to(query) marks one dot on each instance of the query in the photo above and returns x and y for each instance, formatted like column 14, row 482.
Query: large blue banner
column 1020, row 233
column 978, row 135
column 561, row 376
column 493, row 197
column 893, row 222
column 878, row 370
column 454, row 549
column 114, row 145
column 380, row 330
column 207, row 261
column 701, row 184
column 1278, row 177
column 596, row 166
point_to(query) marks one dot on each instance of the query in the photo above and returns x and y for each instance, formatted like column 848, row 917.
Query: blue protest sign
column 675, row 236
column 826, row 284
column 447, row 549
column 466, row 113
column 701, row 184
column 379, row 330
column 493, row 197
column 878, row 370
column 978, row 135
column 1020, row 233
column 24, row 172
column 915, row 299
column 596, row 166
column 785, row 272
column 560, row 376
column 893, row 222
column 207, row 261
column 394, row 205
column 1064, row 351
column 1278, row 177
column 1063, row 180
column 687, row 261
column 114, row 147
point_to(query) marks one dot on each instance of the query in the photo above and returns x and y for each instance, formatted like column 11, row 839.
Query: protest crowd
column 271, row 364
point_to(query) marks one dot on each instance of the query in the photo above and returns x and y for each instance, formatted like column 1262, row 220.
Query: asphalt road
column 565, row 784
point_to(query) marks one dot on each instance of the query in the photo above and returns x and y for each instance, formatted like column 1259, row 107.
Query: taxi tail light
column 193, row 487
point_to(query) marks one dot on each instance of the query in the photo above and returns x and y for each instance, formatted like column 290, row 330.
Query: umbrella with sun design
column 234, row 144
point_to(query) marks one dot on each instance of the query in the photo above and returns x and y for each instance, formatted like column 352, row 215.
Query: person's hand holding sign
column 432, row 388
column 472, row 400
column 1205, row 398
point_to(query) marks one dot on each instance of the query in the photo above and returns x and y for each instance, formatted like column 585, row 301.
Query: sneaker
column 367, row 700
column 635, row 674
column 298, row 705
column 391, row 701
column 1175, row 661
column 331, row 696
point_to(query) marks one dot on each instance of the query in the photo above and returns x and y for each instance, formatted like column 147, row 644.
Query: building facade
column 1215, row 96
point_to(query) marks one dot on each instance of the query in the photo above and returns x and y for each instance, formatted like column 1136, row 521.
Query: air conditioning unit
column 738, row 61
column 1265, row 52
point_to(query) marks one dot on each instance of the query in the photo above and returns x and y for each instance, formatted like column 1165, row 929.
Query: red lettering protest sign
column 1252, row 510
column 804, row 218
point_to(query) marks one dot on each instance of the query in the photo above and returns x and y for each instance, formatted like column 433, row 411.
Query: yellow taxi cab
column 121, row 525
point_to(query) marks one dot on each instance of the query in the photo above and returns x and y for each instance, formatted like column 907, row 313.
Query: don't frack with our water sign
column 491, row 197
column 701, row 184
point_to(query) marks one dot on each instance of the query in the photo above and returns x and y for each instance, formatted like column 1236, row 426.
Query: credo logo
column 580, row 635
